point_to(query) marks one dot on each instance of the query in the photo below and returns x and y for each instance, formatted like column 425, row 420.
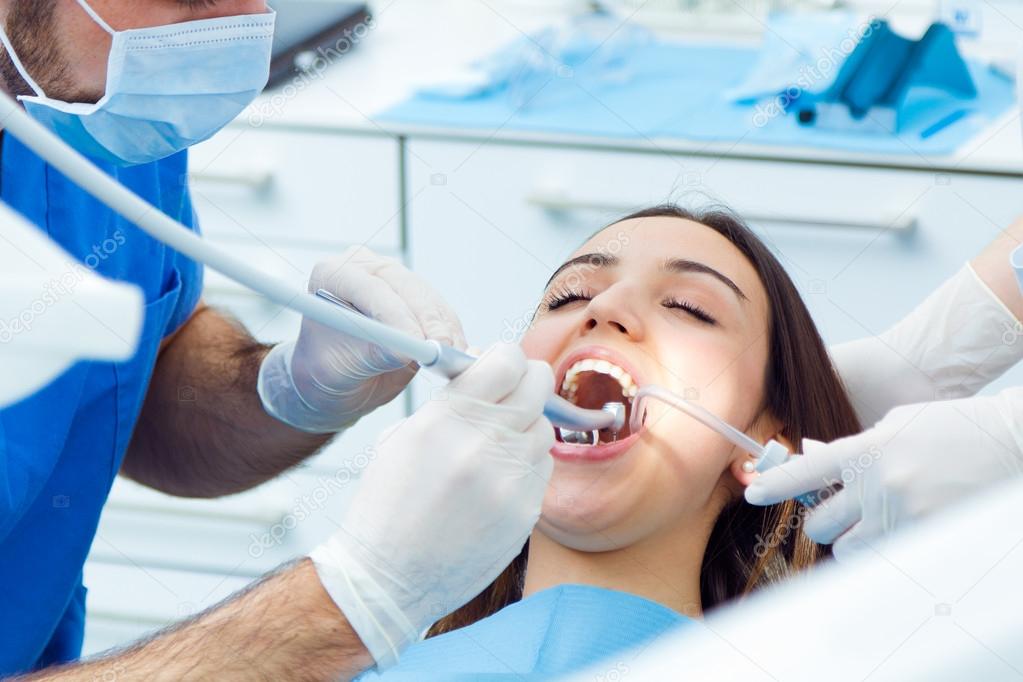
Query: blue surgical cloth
column 557, row 631
column 61, row 448
column 688, row 91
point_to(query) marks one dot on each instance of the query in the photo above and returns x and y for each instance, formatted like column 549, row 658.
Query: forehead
column 643, row 245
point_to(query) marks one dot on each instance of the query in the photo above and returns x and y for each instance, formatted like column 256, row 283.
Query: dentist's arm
column 448, row 501
column 283, row 628
column 224, row 413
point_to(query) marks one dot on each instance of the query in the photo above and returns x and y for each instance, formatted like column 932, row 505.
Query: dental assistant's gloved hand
column 916, row 460
column 326, row 380
column 953, row 344
column 449, row 500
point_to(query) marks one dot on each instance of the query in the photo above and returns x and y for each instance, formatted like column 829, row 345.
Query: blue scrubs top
column 558, row 631
column 61, row 448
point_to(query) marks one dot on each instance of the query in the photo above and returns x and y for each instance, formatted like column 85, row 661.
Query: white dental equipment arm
column 445, row 360
column 55, row 311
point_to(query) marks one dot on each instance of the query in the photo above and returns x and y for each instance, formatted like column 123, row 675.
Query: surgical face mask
column 168, row 87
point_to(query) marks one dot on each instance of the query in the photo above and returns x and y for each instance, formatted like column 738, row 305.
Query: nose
column 230, row 8
column 611, row 311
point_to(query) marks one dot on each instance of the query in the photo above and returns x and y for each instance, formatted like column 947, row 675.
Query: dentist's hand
column 916, row 460
column 326, row 380
column 449, row 500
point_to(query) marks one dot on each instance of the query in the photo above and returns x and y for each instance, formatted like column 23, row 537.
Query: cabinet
column 863, row 245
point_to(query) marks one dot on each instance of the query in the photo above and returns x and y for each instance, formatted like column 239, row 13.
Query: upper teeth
column 571, row 381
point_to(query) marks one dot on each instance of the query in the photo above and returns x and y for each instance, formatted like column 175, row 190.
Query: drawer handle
column 258, row 180
column 560, row 202
column 903, row 224
column 263, row 513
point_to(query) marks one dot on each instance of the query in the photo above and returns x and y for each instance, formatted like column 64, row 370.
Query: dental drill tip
column 618, row 411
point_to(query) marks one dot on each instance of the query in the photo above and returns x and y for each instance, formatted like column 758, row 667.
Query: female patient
column 642, row 531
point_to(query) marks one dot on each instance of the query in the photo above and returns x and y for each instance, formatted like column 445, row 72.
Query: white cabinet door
column 300, row 188
column 488, row 224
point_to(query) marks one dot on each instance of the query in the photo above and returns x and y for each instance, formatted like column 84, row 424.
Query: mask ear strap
column 18, row 65
column 95, row 17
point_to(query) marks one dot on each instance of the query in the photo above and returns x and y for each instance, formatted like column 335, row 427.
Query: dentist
column 204, row 410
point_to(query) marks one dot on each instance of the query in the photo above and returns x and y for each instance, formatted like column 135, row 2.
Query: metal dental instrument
column 443, row 359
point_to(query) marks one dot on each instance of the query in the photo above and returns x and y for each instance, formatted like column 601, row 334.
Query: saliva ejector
column 767, row 456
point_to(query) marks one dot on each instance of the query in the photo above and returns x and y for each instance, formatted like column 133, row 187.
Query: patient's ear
column 767, row 429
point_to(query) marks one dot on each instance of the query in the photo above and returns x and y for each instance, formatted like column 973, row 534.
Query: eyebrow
column 676, row 265
column 593, row 260
column 681, row 266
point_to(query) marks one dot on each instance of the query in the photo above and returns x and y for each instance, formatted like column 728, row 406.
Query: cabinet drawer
column 306, row 188
column 863, row 244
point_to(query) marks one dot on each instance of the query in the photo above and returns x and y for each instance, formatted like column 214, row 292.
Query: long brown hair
column 749, row 546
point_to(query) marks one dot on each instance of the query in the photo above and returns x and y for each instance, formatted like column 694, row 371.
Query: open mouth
column 592, row 383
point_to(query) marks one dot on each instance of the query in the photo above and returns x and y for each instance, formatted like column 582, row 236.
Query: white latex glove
column 961, row 338
column 449, row 500
column 917, row 460
column 326, row 380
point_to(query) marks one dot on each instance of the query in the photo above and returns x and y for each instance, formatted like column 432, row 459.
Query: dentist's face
column 663, row 301
column 66, row 52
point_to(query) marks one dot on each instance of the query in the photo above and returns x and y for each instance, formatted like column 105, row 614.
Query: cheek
column 545, row 339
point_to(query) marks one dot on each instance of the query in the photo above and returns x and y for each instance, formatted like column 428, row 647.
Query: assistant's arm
column 959, row 339
column 203, row 431
column 285, row 627
column 993, row 267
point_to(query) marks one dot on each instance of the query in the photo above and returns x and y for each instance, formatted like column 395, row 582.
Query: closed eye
column 562, row 297
column 691, row 308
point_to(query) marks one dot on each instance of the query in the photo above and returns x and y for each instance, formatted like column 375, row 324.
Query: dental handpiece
column 768, row 455
column 449, row 362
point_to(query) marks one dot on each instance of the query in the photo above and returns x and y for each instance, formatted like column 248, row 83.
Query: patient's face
column 648, row 301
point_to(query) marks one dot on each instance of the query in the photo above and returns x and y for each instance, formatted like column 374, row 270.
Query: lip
column 571, row 452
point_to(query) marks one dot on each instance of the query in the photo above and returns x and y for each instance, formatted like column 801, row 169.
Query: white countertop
column 413, row 42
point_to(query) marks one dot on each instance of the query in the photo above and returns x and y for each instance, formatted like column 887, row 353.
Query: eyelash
column 691, row 308
column 563, row 297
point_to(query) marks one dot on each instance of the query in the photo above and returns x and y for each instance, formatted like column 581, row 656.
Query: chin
column 593, row 511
